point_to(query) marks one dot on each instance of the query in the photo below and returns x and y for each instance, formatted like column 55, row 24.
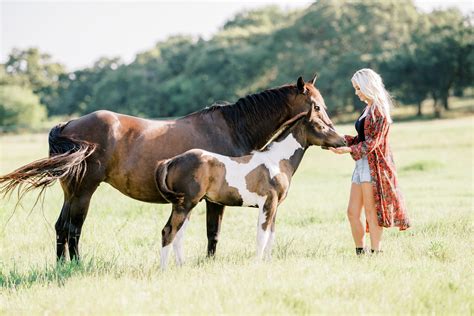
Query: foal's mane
column 247, row 117
column 283, row 129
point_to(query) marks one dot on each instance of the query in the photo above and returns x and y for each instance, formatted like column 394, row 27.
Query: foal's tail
column 161, row 172
column 66, row 162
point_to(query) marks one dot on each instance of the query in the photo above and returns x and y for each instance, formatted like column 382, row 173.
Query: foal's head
column 317, row 131
column 311, row 100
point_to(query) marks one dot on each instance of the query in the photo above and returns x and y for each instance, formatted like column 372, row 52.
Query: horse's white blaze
column 178, row 243
column 164, row 256
column 236, row 172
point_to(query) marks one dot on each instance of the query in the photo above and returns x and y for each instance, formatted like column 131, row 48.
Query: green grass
column 427, row 269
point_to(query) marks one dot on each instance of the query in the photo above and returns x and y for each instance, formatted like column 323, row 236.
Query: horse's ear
column 313, row 81
column 300, row 84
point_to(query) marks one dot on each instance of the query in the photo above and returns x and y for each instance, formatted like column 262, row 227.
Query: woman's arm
column 373, row 138
column 351, row 140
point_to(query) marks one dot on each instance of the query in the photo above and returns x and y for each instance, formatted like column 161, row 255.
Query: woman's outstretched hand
column 340, row 150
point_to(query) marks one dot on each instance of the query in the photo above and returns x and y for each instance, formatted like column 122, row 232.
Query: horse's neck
column 265, row 130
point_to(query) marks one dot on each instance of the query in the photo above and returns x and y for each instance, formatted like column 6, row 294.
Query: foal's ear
column 313, row 81
column 300, row 85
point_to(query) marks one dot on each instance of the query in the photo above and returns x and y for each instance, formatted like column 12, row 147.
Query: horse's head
column 320, row 130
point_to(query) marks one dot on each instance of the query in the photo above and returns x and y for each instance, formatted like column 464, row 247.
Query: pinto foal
column 261, row 179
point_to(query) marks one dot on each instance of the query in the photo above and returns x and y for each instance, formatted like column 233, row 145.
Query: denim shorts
column 361, row 171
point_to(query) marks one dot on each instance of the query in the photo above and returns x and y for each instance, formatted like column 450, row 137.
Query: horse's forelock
column 321, row 104
column 317, row 95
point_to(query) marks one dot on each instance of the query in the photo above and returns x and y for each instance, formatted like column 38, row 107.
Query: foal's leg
column 271, row 240
column 178, row 243
column 265, row 218
column 178, row 216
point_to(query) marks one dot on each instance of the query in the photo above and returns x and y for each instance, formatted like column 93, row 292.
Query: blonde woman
column 374, row 181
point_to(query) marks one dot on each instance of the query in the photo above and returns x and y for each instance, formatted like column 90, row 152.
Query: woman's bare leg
column 354, row 210
column 371, row 214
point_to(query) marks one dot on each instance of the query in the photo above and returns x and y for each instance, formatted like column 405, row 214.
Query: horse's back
column 102, row 124
column 129, row 147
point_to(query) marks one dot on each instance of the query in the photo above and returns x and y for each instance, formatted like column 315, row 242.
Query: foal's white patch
column 268, row 247
column 262, row 235
column 164, row 256
column 277, row 152
column 236, row 172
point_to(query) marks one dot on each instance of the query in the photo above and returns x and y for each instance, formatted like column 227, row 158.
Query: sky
column 77, row 33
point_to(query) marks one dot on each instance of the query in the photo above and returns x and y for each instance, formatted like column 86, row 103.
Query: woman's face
column 360, row 94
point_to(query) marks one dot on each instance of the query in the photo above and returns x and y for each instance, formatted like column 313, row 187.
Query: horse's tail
column 66, row 162
column 161, row 172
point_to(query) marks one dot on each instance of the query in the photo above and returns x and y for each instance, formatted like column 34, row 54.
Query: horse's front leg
column 266, row 214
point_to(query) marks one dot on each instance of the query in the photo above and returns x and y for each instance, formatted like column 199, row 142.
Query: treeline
column 419, row 55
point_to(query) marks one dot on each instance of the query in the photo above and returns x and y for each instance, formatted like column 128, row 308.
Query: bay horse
column 122, row 151
column 261, row 179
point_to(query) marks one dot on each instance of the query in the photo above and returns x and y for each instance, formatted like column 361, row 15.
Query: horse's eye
column 316, row 107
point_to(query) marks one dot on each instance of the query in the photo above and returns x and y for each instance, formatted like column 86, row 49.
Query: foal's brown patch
column 288, row 166
column 219, row 190
column 243, row 159
column 258, row 181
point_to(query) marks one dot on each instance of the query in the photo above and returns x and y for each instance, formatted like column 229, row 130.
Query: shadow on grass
column 53, row 274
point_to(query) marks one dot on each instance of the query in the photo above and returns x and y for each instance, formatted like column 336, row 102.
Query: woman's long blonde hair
column 371, row 84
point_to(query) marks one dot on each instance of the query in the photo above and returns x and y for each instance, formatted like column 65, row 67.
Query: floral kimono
column 389, row 202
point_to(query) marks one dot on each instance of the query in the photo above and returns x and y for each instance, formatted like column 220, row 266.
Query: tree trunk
column 444, row 99
column 436, row 108
column 419, row 109
column 445, row 95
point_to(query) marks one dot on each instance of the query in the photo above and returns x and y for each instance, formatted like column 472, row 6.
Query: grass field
column 427, row 269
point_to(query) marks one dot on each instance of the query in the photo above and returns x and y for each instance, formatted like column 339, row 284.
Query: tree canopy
column 419, row 55
column 19, row 107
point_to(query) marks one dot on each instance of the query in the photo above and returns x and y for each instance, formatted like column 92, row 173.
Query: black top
column 359, row 126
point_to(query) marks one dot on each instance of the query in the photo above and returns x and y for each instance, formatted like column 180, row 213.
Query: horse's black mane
column 247, row 117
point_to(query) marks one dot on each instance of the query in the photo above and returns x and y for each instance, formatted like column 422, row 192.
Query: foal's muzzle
column 336, row 141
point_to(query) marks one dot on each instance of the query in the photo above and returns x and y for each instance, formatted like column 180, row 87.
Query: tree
column 445, row 46
column 75, row 91
column 19, row 107
column 34, row 70
column 337, row 37
column 267, row 17
column 438, row 59
column 262, row 48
